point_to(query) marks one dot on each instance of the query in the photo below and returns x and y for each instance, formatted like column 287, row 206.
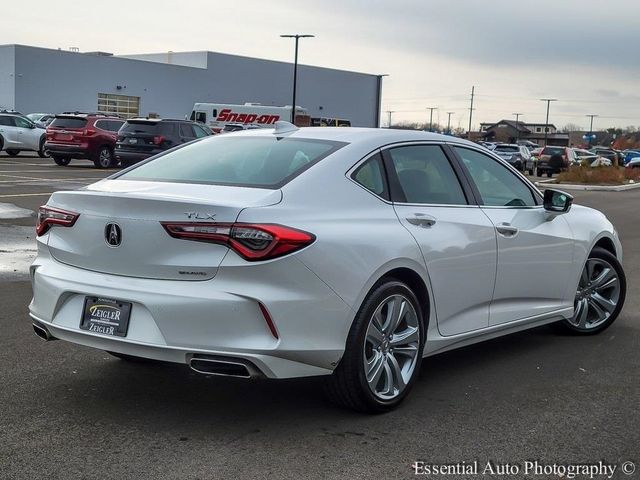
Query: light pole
column 449, row 122
column 379, row 105
column 295, row 71
column 431, row 109
column 591, row 116
column 517, row 129
column 546, row 123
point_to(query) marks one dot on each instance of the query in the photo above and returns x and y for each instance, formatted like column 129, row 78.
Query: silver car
column 349, row 253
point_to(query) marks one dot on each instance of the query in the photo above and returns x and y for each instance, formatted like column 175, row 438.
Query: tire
column 62, row 161
column 130, row 358
column 531, row 172
column 396, row 372
column 600, row 295
column 539, row 172
column 13, row 153
column 41, row 152
column 105, row 158
column 549, row 173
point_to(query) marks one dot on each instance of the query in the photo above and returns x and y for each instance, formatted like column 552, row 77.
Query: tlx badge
column 200, row 216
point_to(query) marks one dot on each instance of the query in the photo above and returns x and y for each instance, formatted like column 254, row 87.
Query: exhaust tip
column 231, row 367
column 43, row 333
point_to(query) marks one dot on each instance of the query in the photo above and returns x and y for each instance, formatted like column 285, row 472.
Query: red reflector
column 48, row 216
column 269, row 320
column 252, row 242
column 158, row 139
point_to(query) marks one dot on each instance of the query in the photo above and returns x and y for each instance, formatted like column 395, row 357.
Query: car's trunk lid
column 137, row 208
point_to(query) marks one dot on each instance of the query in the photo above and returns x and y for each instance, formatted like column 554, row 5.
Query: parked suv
column 18, row 133
column 83, row 135
column 516, row 155
column 141, row 138
column 552, row 160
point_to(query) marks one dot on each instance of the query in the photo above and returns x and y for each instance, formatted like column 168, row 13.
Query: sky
column 585, row 54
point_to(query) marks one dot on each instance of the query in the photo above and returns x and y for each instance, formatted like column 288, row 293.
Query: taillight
column 252, row 242
column 47, row 217
column 158, row 139
column 87, row 132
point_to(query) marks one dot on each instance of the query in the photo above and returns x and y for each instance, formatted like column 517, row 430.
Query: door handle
column 507, row 230
column 422, row 220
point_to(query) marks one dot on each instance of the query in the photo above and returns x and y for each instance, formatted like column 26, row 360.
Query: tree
column 571, row 127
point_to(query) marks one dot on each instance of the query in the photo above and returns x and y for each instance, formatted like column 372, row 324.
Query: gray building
column 45, row 80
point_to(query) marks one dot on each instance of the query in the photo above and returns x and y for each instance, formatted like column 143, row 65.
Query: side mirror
column 557, row 201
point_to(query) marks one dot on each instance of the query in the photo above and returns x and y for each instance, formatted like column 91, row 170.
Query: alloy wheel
column 391, row 347
column 597, row 295
column 105, row 158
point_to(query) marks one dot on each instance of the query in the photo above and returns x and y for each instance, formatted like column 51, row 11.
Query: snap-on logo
column 228, row 115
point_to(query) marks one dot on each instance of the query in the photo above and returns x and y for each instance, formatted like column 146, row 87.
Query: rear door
column 458, row 242
column 535, row 251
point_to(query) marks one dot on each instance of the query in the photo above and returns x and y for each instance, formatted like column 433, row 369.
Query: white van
column 217, row 115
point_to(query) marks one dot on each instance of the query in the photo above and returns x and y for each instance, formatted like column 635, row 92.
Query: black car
column 141, row 138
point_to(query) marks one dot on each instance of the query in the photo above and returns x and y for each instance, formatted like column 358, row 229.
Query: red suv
column 83, row 135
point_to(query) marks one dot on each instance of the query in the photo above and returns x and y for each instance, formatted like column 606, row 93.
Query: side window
column 214, row 114
column 186, row 131
column 6, row 122
column 426, row 176
column 200, row 132
column 200, row 117
column 22, row 122
column 371, row 176
column 498, row 186
column 115, row 125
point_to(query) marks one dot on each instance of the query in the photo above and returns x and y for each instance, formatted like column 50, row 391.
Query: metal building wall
column 54, row 81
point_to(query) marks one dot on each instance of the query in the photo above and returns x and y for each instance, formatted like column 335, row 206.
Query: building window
column 122, row 105
column 538, row 129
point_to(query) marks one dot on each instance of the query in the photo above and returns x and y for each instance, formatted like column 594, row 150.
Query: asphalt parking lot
column 68, row 411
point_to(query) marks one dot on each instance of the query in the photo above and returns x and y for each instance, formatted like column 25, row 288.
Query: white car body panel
column 312, row 295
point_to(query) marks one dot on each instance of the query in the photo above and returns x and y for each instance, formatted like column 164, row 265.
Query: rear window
column 502, row 148
column 69, row 122
column 152, row 128
column 264, row 162
column 553, row 151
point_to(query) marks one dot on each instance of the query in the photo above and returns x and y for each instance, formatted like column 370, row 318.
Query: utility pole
column 431, row 109
column 389, row 112
column 473, row 89
column 517, row 128
column 546, row 123
column 295, row 72
column 591, row 116
column 449, row 122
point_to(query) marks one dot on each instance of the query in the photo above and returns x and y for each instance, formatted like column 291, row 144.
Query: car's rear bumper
column 128, row 156
column 73, row 151
column 174, row 320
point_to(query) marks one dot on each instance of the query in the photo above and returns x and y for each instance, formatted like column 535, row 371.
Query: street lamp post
column 295, row 71
column 546, row 123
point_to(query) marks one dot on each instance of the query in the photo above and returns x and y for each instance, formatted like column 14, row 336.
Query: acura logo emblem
column 113, row 234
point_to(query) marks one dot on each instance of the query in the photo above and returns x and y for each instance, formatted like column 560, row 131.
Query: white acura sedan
column 351, row 253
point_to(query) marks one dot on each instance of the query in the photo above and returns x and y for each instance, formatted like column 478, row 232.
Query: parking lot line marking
column 26, row 194
column 31, row 180
column 27, row 179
